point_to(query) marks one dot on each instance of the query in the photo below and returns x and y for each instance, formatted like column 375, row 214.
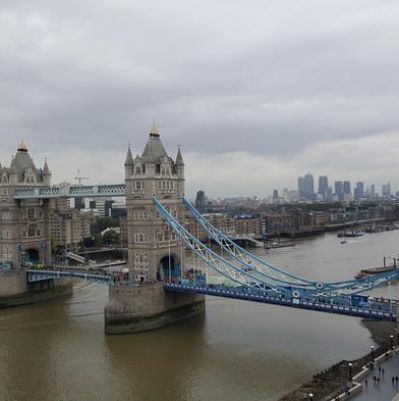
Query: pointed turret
column 46, row 170
column 46, row 174
column 179, row 158
column 129, row 157
column 129, row 163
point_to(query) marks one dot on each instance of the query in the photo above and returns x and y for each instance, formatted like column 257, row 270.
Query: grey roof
column 129, row 158
column 154, row 149
column 179, row 159
column 46, row 170
column 22, row 161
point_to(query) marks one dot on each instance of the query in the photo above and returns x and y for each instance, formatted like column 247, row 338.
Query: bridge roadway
column 230, row 292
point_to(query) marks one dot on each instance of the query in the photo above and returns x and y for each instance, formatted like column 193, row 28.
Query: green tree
column 111, row 238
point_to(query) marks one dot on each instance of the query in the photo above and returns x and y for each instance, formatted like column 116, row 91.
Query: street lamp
column 350, row 371
column 310, row 396
column 391, row 338
column 372, row 352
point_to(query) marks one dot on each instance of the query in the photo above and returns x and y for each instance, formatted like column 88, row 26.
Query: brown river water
column 57, row 351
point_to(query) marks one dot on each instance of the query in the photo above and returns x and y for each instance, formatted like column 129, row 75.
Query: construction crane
column 79, row 178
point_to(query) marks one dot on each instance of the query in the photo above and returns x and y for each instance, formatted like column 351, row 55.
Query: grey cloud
column 268, row 78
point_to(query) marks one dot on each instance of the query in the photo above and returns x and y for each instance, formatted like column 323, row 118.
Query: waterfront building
column 69, row 227
column 223, row 222
column 248, row 225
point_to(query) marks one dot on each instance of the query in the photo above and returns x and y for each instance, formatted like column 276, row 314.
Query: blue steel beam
column 223, row 267
column 218, row 263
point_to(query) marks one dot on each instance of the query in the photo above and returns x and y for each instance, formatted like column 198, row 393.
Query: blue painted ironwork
column 251, row 275
column 242, row 255
column 90, row 191
column 222, row 266
column 377, row 310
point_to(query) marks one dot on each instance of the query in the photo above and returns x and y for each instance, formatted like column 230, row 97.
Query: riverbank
column 334, row 380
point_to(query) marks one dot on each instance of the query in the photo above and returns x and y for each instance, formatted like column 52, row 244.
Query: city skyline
column 64, row 171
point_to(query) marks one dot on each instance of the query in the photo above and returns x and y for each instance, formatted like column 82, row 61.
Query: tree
column 111, row 238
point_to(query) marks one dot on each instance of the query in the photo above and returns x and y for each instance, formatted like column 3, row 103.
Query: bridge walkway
column 231, row 292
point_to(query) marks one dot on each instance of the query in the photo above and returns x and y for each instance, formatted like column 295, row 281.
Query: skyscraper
column 323, row 186
column 372, row 191
column 386, row 190
column 359, row 190
column 347, row 188
column 306, row 186
column 339, row 189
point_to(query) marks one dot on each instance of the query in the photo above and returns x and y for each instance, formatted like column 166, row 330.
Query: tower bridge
column 162, row 285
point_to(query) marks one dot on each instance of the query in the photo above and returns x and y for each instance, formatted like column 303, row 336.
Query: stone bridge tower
column 155, row 254
column 154, row 251
column 25, row 224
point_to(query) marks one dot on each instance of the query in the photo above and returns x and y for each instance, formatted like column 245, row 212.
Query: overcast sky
column 256, row 92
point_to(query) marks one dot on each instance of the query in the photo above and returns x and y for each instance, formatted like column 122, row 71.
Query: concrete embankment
column 15, row 290
column 333, row 381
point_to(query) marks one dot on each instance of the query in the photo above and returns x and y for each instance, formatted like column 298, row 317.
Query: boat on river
column 352, row 234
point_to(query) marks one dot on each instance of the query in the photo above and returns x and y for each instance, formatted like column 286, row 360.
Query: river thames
column 57, row 351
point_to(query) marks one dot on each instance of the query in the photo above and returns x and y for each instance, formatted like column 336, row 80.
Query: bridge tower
column 24, row 228
column 154, row 251
column 155, row 254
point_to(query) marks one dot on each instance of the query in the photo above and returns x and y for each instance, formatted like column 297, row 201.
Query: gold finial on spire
column 22, row 147
column 154, row 130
